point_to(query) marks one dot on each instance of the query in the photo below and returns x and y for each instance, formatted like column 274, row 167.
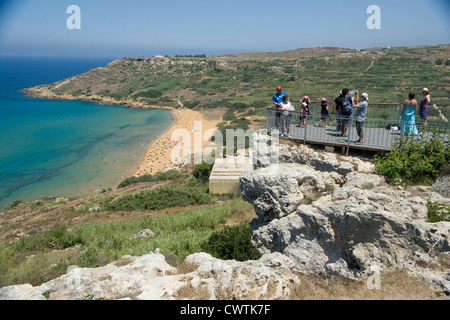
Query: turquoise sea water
column 65, row 148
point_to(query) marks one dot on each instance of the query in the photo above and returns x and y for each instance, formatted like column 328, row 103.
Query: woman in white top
column 286, row 116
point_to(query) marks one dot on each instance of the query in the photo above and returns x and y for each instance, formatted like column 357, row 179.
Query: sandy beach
column 158, row 156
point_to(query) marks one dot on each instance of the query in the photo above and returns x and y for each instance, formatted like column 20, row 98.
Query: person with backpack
column 337, row 109
column 346, row 104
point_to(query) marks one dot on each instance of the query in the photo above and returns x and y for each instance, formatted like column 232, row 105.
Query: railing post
column 350, row 120
column 306, row 125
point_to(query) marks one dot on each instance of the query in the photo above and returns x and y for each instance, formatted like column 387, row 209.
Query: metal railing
column 379, row 134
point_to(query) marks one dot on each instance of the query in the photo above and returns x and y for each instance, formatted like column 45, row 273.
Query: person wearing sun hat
column 360, row 116
column 424, row 108
column 277, row 99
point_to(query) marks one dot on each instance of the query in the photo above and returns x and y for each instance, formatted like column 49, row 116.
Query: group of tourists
column 345, row 105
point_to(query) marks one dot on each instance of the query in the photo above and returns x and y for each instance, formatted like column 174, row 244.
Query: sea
column 55, row 148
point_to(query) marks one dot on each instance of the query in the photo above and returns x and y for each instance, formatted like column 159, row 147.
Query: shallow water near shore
column 65, row 148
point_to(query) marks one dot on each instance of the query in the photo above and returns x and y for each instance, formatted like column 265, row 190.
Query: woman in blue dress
column 408, row 113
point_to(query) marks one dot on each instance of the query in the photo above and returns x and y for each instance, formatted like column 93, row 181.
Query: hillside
column 387, row 74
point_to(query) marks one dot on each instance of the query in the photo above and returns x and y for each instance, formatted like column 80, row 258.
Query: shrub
column 160, row 198
column 202, row 172
column 152, row 93
column 232, row 243
column 415, row 161
column 438, row 211
column 160, row 176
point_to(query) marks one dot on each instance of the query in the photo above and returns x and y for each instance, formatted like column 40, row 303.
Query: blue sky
column 113, row 28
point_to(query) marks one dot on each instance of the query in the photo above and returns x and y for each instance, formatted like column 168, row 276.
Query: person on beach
column 360, row 116
column 424, row 108
column 324, row 112
column 408, row 112
column 346, row 104
column 277, row 99
column 286, row 117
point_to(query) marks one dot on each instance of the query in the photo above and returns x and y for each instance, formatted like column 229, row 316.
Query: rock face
column 149, row 277
column 329, row 217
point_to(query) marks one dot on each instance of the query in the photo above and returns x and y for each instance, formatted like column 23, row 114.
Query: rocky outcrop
column 150, row 277
column 329, row 217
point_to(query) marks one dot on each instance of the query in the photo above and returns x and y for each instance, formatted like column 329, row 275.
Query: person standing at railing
column 424, row 108
column 324, row 112
column 303, row 113
column 338, row 112
column 360, row 115
column 277, row 99
column 346, row 104
column 408, row 112
column 286, row 117
column 306, row 110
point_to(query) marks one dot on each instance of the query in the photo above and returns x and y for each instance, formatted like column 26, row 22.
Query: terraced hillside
column 387, row 74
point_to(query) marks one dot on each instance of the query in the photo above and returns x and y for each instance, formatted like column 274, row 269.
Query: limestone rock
column 150, row 278
column 345, row 231
column 278, row 190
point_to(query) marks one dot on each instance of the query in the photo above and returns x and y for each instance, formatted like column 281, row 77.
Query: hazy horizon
column 146, row 28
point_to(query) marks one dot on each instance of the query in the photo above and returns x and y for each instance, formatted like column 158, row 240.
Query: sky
column 115, row 28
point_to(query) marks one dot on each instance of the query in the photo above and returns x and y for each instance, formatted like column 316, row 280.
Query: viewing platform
column 382, row 128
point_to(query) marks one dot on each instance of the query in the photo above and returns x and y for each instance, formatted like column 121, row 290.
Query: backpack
column 347, row 108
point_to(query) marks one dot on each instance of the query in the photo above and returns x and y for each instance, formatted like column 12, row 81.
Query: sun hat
column 365, row 95
column 425, row 89
column 305, row 97
column 279, row 88
column 324, row 99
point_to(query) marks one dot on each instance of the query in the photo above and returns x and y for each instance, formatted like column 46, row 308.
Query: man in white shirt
column 286, row 116
column 360, row 116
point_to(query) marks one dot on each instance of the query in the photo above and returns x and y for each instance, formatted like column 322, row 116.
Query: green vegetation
column 438, row 211
column 415, row 161
column 202, row 172
column 160, row 176
column 232, row 243
column 161, row 198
